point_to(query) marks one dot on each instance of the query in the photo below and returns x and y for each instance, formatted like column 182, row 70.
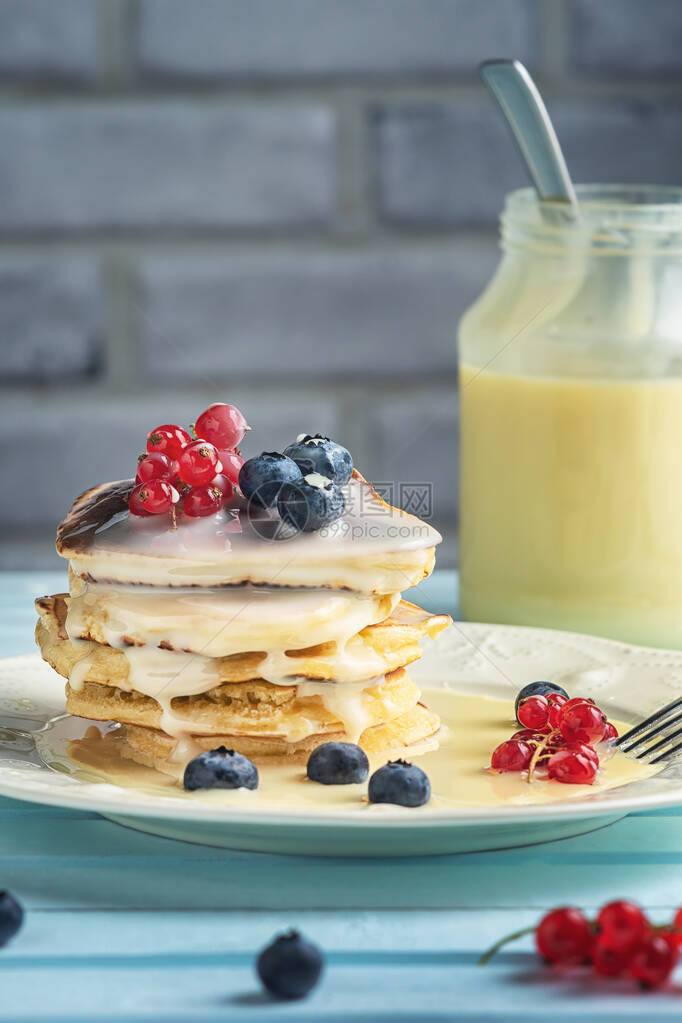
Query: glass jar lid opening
column 610, row 217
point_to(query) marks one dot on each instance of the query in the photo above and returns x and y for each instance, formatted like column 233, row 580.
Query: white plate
column 628, row 682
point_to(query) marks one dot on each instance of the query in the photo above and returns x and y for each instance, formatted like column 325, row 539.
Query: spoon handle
column 522, row 105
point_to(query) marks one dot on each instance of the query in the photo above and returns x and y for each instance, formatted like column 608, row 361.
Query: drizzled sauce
column 455, row 762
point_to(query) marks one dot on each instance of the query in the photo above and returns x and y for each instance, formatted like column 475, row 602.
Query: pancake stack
column 230, row 630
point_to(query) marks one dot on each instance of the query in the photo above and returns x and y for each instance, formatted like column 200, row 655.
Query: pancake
column 154, row 749
column 219, row 622
column 375, row 650
column 372, row 548
column 257, row 709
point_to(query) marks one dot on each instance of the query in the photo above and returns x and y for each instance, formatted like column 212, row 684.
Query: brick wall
column 283, row 203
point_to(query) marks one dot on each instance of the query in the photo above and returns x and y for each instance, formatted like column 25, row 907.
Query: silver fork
column 643, row 743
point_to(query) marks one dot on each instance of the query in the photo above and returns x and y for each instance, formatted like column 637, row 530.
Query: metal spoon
column 522, row 105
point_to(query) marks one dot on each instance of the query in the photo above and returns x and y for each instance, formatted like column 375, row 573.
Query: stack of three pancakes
column 228, row 631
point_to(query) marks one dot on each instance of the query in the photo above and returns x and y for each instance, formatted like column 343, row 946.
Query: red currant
column 653, row 960
column 223, row 484
column 534, row 713
column 555, row 743
column 622, row 924
column 200, row 501
column 222, row 425
column 564, row 936
column 528, row 735
column 231, row 463
column 581, row 722
column 511, row 755
column 677, row 924
column 610, row 732
column 556, row 702
column 169, row 439
column 155, row 466
column 575, row 700
column 607, row 961
column 572, row 767
column 198, row 463
column 152, row 498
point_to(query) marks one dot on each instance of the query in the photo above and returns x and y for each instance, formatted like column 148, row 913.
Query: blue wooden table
column 124, row 926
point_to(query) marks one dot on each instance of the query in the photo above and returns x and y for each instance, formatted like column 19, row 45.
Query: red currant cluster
column 558, row 739
column 621, row 941
column 197, row 475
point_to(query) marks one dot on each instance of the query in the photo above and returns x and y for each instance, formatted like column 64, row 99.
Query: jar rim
column 611, row 217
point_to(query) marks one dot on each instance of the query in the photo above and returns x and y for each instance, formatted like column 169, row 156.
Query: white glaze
column 221, row 622
column 371, row 548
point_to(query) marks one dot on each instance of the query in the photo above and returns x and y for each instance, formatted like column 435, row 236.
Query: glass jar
column 571, row 419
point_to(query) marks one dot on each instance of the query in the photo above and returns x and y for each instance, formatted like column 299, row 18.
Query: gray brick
column 301, row 314
column 445, row 166
column 165, row 165
column 626, row 36
column 628, row 142
column 44, row 39
column 51, row 319
column 303, row 37
column 418, row 446
column 70, row 443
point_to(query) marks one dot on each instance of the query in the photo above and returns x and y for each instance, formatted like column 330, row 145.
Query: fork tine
column 667, row 754
column 647, row 737
column 659, row 715
column 665, row 741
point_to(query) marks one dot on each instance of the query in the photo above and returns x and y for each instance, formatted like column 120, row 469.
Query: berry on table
column 338, row 763
column 201, row 501
column 533, row 712
column 153, row 498
column 622, row 924
column 318, row 454
column 677, row 925
column 310, row 503
column 290, row 966
column 198, row 463
column 168, row 439
column 261, row 478
column 581, row 721
column 11, row 917
column 154, row 466
column 537, row 689
column 572, row 766
column 653, row 960
column 400, row 783
column 607, row 961
column 223, row 425
column 564, row 936
column 220, row 768
column 620, row 941
column 512, row 755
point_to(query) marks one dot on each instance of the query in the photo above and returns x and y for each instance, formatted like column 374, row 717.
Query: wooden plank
column 95, row 863
column 414, row 987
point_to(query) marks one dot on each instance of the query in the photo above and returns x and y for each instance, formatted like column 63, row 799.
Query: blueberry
column 320, row 454
column 338, row 763
column 537, row 689
column 311, row 502
column 290, row 966
column 11, row 917
column 401, row 783
column 220, row 769
column 261, row 478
